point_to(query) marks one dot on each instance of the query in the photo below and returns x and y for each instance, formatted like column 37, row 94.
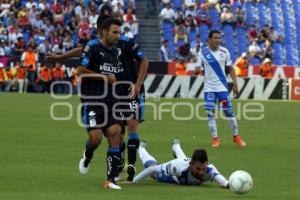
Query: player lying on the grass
column 182, row 170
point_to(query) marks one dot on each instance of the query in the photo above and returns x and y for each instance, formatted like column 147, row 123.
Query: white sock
column 145, row 156
column 233, row 126
column 178, row 151
column 212, row 125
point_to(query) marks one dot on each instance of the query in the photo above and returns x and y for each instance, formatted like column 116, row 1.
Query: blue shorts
column 220, row 100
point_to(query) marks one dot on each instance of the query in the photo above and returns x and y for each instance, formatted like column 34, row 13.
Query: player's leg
column 210, row 104
column 133, row 143
column 176, row 148
column 95, row 136
column 226, row 106
column 147, row 159
column 113, row 155
column 122, row 151
column 132, row 146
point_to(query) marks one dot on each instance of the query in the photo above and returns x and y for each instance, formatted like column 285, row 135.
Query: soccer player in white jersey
column 182, row 170
column 214, row 60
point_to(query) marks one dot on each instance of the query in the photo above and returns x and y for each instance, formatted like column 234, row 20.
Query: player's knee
column 211, row 113
column 95, row 137
column 132, row 125
column 229, row 113
column 114, row 132
column 95, row 141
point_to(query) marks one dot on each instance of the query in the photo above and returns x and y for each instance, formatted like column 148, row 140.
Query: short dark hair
column 199, row 155
column 101, row 19
column 106, row 24
column 212, row 32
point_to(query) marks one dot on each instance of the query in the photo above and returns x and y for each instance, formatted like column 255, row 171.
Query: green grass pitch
column 39, row 156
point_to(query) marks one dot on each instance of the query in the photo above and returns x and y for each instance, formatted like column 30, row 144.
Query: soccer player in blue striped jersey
column 214, row 60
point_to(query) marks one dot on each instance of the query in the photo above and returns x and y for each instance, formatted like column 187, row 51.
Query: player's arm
column 76, row 52
column 147, row 172
column 199, row 64
column 141, row 76
column 218, row 177
column 228, row 65
column 139, row 55
column 233, row 77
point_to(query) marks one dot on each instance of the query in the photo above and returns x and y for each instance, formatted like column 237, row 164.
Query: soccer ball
column 240, row 182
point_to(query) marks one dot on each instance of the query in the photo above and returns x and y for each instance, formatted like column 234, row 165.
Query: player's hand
column 111, row 79
column 235, row 90
column 52, row 57
column 197, row 71
column 134, row 90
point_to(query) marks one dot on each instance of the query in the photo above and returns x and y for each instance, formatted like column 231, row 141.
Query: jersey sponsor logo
column 109, row 68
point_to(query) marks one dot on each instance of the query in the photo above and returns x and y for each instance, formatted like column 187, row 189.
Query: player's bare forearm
column 145, row 173
column 232, row 74
column 198, row 72
column 141, row 76
column 233, row 77
column 69, row 54
column 142, row 71
column 83, row 70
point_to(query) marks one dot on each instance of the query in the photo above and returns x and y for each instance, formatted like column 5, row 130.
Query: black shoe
column 130, row 172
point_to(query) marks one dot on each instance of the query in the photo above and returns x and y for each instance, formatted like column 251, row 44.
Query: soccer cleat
column 238, row 140
column 143, row 144
column 216, row 142
column 175, row 141
column 84, row 164
column 131, row 172
column 111, row 185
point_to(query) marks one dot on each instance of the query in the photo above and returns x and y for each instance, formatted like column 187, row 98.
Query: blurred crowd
column 186, row 17
column 30, row 29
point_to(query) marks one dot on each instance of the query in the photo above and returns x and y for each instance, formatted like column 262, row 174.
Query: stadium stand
column 275, row 22
column 52, row 25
